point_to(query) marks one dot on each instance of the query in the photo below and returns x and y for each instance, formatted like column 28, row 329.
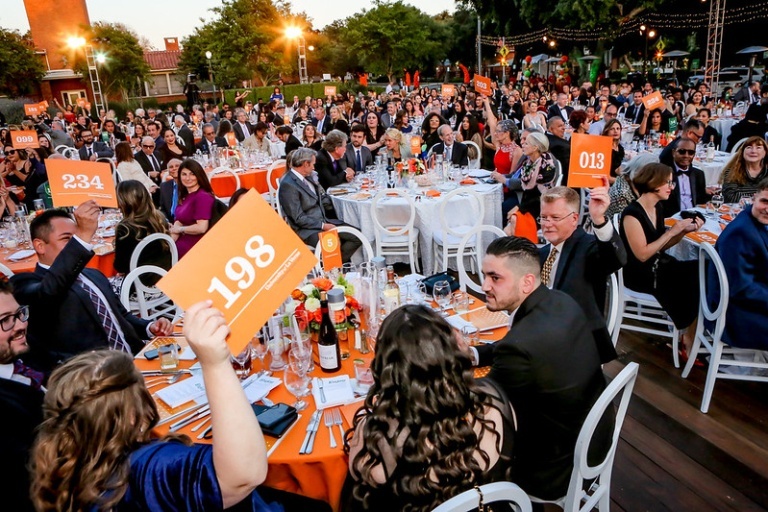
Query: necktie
column 637, row 113
column 359, row 161
column 155, row 163
column 116, row 341
column 546, row 270
column 336, row 165
column 448, row 150
column 35, row 377
column 90, row 151
column 175, row 201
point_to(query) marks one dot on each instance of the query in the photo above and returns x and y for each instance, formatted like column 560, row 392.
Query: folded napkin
column 479, row 173
column 432, row 193
column 467, row 181
column 336, row 390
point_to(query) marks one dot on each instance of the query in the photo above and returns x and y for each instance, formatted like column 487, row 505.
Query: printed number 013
column 592, row 160
column 82, row 181
column 241, row 271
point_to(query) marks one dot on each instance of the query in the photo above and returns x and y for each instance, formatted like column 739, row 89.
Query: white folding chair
column 6, row 271
column 558, row 179
column 61, row 148
column 584, row 206
column 599, row 493
column 612, row 307
column 68, row 153
column 113, row 168
column 737, row 358
column 645, row 308
column 473, row 499
column 278, row 206
column 474, row 234
column 222, row 170
column 366, row 247
column 155, row 237
column 474, row 163
column 431, row 150
column 445, row 241
column 400, row 240
column 738, row 145
column 271, row 195
column 151, row 302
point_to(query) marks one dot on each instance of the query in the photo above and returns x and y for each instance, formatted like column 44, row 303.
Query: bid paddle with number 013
column 590, row 160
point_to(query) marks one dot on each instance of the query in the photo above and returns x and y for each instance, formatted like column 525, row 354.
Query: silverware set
column 330, row 418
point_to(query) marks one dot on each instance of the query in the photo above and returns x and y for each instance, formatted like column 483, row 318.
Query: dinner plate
column 21, row 255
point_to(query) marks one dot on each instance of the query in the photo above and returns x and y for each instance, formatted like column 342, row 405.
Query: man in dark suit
column 358, row 157
column 331, row 164
column 154, row 130
column 634, row 112
column 242, row 128
column 149, row 159
column 578, row 263
column 561, row 108
column 91, row 149
column 184, row 133
column 210, row 140
column 73, row 309
column 111, row 129
column 321, row 121
column 693, row 129
column 169, row 191
column 456, row 152
column 301, row 199
column 743, row 248
column 388, row 116
column 558, row 145
column 21, row 403
column 547, row 364
column 690, row 183
column 285, row 134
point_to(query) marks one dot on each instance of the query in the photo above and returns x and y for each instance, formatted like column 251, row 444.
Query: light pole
column 648, row 34
column 208, row 56
column 295, row 33
column 91, row 60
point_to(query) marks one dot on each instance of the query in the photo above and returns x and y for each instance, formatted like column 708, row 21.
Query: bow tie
column 687, row 171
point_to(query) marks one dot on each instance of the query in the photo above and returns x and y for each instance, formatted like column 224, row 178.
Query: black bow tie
column 687, row 172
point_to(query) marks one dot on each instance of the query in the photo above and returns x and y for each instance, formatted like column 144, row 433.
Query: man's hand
column 509, row 229
column 328, row 227
column 93, row 157
column 350, row 174
column 161, row 327
column 87, row 219
column 206, row 331
column 599, row 201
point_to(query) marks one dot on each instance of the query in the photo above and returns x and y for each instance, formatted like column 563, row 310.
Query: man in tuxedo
column 558, row 145
column 242, row 127
column 455, row 152
column 285, row 134
column 321, row 121
column 560, row 109
column 301, row 199
column 21, row 402
column 547, row 364
column 690, row 183
column 330, row 163
column 149, row 159
column 91, row 149
column 169, row 191
column 72, row 309
column 743, row 248
column 184, row 133
column 388, row 117
column 358, row 157
column 693, row 130
column 634, row 112
column 578, row 263
column 210, row 140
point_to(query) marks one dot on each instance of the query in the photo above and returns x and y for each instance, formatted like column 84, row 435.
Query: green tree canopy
column 21, row 69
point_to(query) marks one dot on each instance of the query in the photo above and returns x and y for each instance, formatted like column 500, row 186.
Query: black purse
column 429, row 282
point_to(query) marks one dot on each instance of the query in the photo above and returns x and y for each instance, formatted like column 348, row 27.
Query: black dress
column 674, row 283
column 156, row 253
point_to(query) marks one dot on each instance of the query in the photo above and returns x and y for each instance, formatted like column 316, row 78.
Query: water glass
column 297, row 383
column 460, row 303
column 441, row 293
column 471, row 335
column 241, row 362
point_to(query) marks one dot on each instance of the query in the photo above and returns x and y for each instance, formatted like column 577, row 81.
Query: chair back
column 271, row 179
column 613, row 307
column 61, row 148
column 151, row 302
column 67, row 152
column 622, row 384
column 381, row 229
column 474, row 163
column 738, row 145
column 431, row 150
column 278, row 206
column 224, row 170
column 558, row 179
column 477, row 217
column 464, row 280
column 115, row 175
column 367, row 248
column 473, row 499
column 154, row 237
column 6, row 271
column 708, row 256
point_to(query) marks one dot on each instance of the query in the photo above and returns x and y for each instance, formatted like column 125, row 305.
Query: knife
column 314, row 419
column 203, row 412
column 311, row 445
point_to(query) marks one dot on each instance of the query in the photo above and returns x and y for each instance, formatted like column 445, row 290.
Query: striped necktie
column 116, row 340
column 546, row 270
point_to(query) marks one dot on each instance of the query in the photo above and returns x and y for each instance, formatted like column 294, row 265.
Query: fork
column 169, row 380
column 337, row 421
column 328, row 417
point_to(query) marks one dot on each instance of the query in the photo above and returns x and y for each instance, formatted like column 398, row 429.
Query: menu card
column 336, row 391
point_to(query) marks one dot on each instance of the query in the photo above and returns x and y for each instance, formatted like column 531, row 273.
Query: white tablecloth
column 394, row 211
column 713, row 169
column 724, row 125
column 688, row 249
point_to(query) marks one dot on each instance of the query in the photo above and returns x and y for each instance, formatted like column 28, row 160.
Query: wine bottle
column 328, row 340
column 391, row 292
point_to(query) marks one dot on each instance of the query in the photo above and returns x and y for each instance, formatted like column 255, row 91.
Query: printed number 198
column 241, row 271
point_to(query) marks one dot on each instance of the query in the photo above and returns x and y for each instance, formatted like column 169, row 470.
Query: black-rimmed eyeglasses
column 21, row 314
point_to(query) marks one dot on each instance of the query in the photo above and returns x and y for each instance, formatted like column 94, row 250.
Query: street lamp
column 208, row 56
column 91, row 59
column 295, row 33
column 648, row 34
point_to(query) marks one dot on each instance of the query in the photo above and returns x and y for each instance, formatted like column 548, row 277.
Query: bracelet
column 598, row 226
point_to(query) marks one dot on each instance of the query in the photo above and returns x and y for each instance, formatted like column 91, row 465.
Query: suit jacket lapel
column 566, row 256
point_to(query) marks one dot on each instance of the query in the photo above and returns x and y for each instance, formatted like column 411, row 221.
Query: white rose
column 307, row 289
column 312, row 304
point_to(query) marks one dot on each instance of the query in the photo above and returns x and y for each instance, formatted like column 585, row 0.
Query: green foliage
column 21, row 69
column 392, row 36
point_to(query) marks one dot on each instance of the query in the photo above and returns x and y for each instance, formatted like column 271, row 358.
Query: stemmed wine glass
column 297, row 382
column 259, row 350
column 441, row 293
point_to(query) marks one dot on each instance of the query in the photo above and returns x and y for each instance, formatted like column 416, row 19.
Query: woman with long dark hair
column 195, row 208
column 374, row 133
column 429, row 132
column 427, row 430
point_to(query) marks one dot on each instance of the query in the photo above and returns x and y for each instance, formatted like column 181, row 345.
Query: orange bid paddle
column 330, row 248
column 73, row 182
column 24, row 139
column 590, row 160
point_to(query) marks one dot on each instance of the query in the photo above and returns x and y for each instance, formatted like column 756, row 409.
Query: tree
column 392, row 36
column 21, row 69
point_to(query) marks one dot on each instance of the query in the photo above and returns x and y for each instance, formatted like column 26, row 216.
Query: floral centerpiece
column 411, row 168
column 307, row 298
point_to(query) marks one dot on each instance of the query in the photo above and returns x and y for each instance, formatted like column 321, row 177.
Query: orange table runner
column 105, row 263
column 224, row 184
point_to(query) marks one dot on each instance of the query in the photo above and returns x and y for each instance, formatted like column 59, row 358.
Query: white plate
column 478, row 173
column 21, row 255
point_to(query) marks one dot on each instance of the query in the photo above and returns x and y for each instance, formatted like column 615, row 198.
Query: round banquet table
column 713, row 169
column 105, row 263
column 224, row 184
column 688, row 247
column 723, row 125
column 356, row 211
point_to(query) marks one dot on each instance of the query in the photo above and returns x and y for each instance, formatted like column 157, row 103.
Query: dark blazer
column 699, row 193
column 340, row 125
column 326, row 124
column 302, row 209
column 62, row 319
column 166, row 198
column 202, row 146
column 21, row 406
column 188, row 137
column 365, row 156
column 560, row 149
column 582, row 270
column 551, row 373
column 554, row 110
column 629, row 114
column 239, row 130
column 146, row 165
column 330, row 177
column 100, row 149
column 459, row 155
column 743, row 247
column 292, row 143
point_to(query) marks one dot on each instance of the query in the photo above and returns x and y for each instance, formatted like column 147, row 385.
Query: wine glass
column 241, row 362
column 392, row 179
column 297, row 383
column 301, row 352
column 441, row 293
column 717, row 200
column 259, row 350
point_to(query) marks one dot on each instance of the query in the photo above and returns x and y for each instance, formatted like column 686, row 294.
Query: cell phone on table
column 151, row 354
column 490, row 180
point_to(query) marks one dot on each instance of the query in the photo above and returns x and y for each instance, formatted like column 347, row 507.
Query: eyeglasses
column 554, row 220
column 147, row 145
column 672, row 183
column 11, row 152
column 686, row 151
column 21, row 314
column 610, row 114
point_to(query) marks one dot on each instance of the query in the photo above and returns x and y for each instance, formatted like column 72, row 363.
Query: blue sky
column 178, row 18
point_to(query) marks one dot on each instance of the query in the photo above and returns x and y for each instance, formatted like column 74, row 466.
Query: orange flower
column 322, row 283
column 352, row 302
column 298, row 295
